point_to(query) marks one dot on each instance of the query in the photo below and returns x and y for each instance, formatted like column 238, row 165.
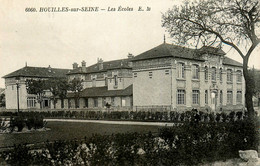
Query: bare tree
column 58, row 87
column 76, row 87
column 207, row 22
column 36, row 87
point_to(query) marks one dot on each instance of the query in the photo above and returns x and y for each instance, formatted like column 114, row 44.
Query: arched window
column 180, row 69
column 195, row 71
column 229, row 75
column 239, row 76
column 206, row 73
column 213, row 74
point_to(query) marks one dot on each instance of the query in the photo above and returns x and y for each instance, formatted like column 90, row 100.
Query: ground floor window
column 239, row 97
column 181, row 97
column 195, row 96
column 95, row 102
column 46, row 103
column 206, row 96
column 31, row 102
column 229, row 97
column 123, row 102
column 221, row 97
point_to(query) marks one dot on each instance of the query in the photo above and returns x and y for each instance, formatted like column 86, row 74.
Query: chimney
column 49, row 68
column 83, row 64
column 130, row 57
column 75, row 65
column 100, row 64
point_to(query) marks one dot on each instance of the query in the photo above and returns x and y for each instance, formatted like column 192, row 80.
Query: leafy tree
column 36, row 87
column 76, row 87
column 58, row 87
column 206, row 22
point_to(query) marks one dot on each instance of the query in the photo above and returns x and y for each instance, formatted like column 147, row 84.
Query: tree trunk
column 249, row 81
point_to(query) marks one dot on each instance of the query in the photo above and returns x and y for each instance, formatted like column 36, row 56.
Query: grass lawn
column 69, row 131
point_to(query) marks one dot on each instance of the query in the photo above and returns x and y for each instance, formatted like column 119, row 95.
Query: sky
column 59, row 39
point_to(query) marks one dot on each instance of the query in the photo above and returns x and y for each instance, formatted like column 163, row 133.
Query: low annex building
column 169, row 76
column 16, row 82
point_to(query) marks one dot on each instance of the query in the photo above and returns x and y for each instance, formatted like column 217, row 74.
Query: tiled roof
column 115, row 64
column 211, row 50
column 229, row 61
column 41, row 72
column 104, row 92
column 169, row 50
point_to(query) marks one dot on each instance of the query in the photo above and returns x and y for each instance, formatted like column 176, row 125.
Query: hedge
column 191, row 143
column 170, row 116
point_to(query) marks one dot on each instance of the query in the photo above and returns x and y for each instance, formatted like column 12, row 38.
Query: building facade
column 104, row 84
column 183, row 78
column 15, row 86
column 166, row 76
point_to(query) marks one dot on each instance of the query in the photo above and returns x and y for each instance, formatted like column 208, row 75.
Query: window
column 221, row 97
column 239, row 97
column 93, row 82
column 135, row 74
column 229, row 97
column 206, row 96
column 31, row 102
column 105, row 81
column 150, row 74
column 195, row 96
column 206, row 74
column 220, row 74
column 95, row 102
column 195, row 71
column 167, row 72
column 239, row 76
column 180, row 70
column 116, row 80
column 181, row 97
column 213, row 74
column 229, row 75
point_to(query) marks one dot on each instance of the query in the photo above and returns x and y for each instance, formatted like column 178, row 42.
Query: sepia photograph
column 130, row 82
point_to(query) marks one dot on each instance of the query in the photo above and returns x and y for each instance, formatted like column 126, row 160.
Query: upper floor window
column 93, row 82
column 195, row 71
column 239, row 76
column 213, row 74
column 116, row 80
column 206, row 74
column 150, row 74
column 220, row 74
column 167, row 72
column 229, row 75
column 180, row 69
column 105, row 81
column 135, row 74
